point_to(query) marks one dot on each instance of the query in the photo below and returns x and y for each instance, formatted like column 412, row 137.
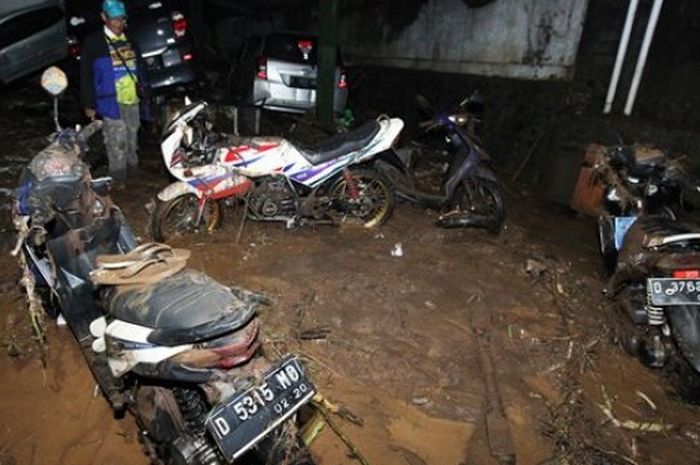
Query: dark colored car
column 32, row 36
column 159, row 29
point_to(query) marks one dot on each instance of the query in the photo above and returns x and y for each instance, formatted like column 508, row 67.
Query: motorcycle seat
column 341, row 144
column 186, row 307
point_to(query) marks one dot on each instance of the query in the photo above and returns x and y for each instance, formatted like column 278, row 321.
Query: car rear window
column 27, row 24
column 291, row 48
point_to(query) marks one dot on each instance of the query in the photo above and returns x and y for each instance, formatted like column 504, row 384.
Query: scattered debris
column 397, row 251
column 430, row 305
column 534, row 267
column 312, row 428
column 646, row 399
column 629, row 424
column 314, row 334
column 420, row 400
column 354, row 451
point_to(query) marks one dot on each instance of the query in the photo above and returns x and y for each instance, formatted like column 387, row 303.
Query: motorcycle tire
column 376, row 192
column 493, row 214
column 606, row 241
column 185, row 205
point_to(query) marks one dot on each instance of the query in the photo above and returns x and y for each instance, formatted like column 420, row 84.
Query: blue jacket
column 97, row 86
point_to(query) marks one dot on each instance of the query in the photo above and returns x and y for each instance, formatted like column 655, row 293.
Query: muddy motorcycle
column 469, row 194
column 177, row 349
column 333, row 182
column 653, row 257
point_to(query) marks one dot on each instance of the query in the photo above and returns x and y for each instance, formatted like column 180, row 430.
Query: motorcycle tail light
column 224, row 352
column 187, row 57
column 73, row 48
column 262, row 68
column 179, row 24
column 686, row 274
column 342, row 84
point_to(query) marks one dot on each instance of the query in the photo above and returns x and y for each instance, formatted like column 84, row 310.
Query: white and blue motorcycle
column 333, row 182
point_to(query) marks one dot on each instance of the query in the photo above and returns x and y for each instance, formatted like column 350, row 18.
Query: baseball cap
column 113, row 8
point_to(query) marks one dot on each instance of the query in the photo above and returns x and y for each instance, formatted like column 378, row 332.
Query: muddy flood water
column 401, row 352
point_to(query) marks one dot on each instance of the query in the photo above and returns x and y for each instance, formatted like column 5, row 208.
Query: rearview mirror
column 54, row 81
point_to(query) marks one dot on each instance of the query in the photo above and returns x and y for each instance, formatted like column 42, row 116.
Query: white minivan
column 285, row 79
column 32, row 36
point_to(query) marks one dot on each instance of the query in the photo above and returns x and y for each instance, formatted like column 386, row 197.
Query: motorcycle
column 469, row 194
column 333, row 182
column 654, row 258
column 170, row 345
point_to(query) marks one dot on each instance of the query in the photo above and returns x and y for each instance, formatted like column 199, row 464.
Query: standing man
column 110, row 77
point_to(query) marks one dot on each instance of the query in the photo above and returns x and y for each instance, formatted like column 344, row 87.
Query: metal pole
column 642, row 60
column 327, row 60
column 621, row 52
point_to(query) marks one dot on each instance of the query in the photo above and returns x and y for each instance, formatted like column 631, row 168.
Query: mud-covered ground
column 401, row 353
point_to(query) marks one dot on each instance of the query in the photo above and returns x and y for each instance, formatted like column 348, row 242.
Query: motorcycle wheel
column 482, row 198
column 176, row 218
column 375, row 202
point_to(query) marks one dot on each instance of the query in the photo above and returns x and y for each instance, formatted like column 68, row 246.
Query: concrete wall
column 532, row 39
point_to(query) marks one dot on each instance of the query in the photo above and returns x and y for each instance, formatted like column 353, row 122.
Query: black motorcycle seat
column 184, row 308
column 340, row 144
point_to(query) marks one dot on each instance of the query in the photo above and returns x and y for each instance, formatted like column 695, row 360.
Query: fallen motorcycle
column 333, row 182
column 171, row 345
column 469, row 194
column 654, row 258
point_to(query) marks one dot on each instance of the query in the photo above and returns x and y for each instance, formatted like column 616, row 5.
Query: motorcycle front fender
column 484, row 172
column 177, row 189
column 685, row 323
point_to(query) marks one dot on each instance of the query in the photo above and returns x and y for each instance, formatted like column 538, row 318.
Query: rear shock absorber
column 655, row 315
column 352, row 185
column 192, row 406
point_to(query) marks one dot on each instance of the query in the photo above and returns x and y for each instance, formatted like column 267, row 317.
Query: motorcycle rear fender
column 678, row 261
column 685, row 322
column 177, row 189
column 391, row 129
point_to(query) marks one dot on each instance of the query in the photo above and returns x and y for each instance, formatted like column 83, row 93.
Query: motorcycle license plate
column 671, row 291
column 241, row 421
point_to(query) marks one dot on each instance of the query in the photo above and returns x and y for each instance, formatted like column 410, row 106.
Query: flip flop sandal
column 138, row 253
column 153, row 251
column 144, row 272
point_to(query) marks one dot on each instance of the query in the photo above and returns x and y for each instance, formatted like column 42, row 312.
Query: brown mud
column 400, row 353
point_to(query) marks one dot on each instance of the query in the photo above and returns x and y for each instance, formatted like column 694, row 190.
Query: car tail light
column 305, row 47
column 343, row 83
column 73, row 48
column 686, row 274
column 187, row 56
column 179, row 24
column 262, row 68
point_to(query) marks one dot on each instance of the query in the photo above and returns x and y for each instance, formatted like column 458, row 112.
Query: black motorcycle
column 172, row 346
column 469, row 194
column 654, row 258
